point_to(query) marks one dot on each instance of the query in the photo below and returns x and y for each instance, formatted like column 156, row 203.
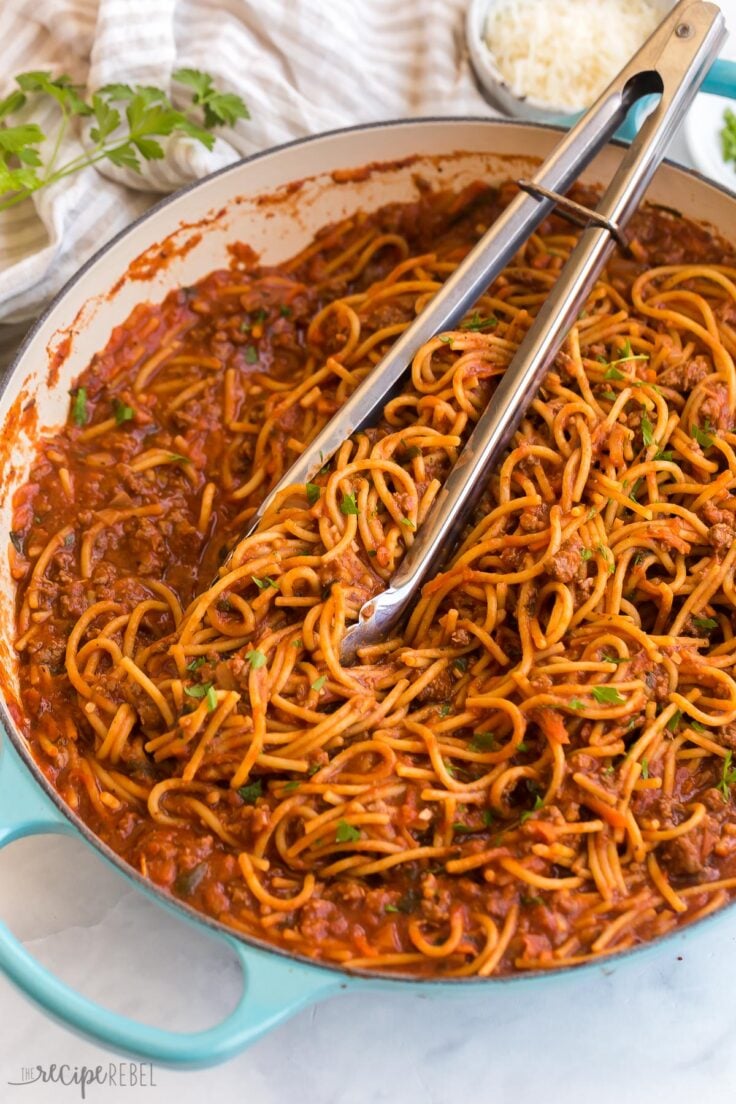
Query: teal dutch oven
column 194, row 229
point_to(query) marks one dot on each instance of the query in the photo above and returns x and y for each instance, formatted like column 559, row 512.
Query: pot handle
column 275, row 987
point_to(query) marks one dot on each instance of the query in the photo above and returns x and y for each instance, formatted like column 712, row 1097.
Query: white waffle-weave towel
column 302, row 66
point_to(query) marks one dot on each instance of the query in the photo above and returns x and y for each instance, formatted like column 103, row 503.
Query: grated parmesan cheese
column 563, row 53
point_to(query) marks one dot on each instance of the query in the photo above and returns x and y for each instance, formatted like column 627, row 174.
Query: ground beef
column 566, row 563
column 685, row 375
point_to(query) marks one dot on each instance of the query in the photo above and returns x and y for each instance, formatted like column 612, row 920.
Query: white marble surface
column 660, row 1027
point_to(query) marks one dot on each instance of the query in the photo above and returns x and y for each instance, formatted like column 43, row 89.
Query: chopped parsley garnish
column 445, row 709
column 348, row 505
column 674, row 720
column 627, row 354
column 613, row 374
column 408, row 523
column 575, row 703
column 313, row 493
column 289, row 787
column 610, row 395
column 251, row 792
column 298, row 643
column 319, row 683
column 728, row 776
column 696, row 726
column 256, row 658
column 204, row 690
column 538, row 803
column 478, row 323
column 645, row 767
column 346, row 833
column 607, row 695
column 647, row 431
column 586, row 554
column 484, row 741
column 705, row 623
column 122, row 412
column 251, row 354
column 460, row 663
column 265, row 582
column 660, row 455
column 186, row 883
column 196, row 663
column 199, row 691
column 703, row 436
column 614, row 659
column 80, row 414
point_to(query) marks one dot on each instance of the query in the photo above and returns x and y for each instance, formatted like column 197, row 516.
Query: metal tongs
column 673, row 62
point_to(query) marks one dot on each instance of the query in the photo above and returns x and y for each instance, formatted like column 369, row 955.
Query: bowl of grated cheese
column 548, row 60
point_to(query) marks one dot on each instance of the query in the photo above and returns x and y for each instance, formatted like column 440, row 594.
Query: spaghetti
column 537, row 771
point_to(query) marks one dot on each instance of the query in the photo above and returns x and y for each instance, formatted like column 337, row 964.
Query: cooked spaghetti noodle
column 537, row 770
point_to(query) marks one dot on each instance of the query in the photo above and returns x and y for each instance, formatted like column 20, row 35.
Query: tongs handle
column 673, row 62
column 481, row 266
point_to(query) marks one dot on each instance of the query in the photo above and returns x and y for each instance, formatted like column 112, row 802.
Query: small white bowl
column 494, row 85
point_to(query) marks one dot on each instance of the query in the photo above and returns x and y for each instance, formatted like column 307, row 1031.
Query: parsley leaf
column 313, row 493
column 728, row 776
column 607, row 695
column 265, row 582
column 627, row 354
column 702, row 436
column 484, row 741
column 477, row 323
column 203, row 690
column 121, row 411
column 251, row 354
column 219, row 108
column 196, row 663
column 728, row 136
column 613, row 374
column 256, row 658
column 346, row 833
column 674, row 720
column 348, row 505
column 644, row 767
column 80, row 414
column 647, row 431
column 122, row 137
column 705, row 623
column 251, row 792
column 319, row 683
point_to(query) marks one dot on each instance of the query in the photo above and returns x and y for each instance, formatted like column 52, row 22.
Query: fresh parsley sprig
column 127, row 123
